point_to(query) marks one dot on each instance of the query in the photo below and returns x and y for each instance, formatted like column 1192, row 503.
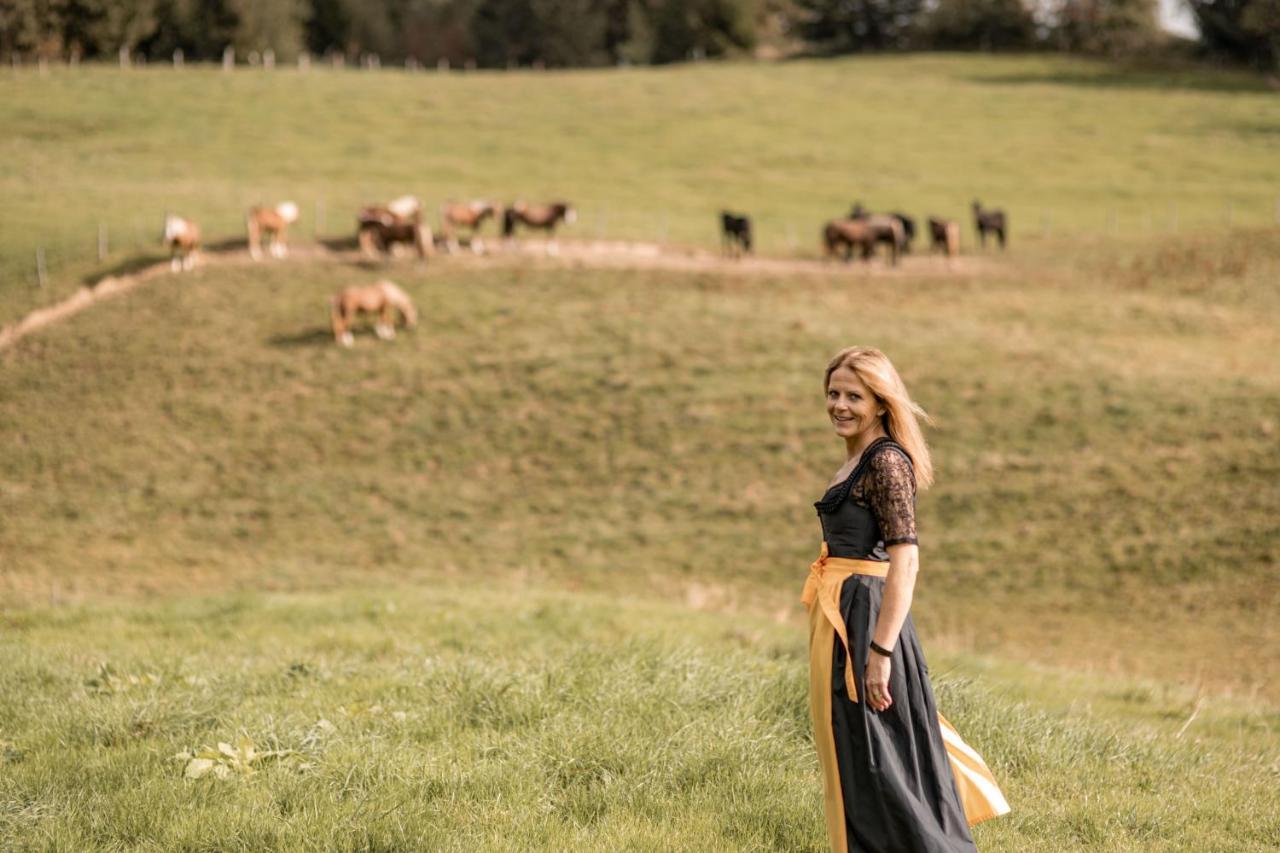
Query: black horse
column 735, row 234
column 992, row 220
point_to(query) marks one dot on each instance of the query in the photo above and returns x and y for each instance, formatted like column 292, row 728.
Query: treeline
column 562, row 33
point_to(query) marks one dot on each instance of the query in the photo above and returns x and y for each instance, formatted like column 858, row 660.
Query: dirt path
column 571, row 254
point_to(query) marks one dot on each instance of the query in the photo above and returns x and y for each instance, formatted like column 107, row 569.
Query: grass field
column 479, row 716
column 1065, row 145
column 536, row 563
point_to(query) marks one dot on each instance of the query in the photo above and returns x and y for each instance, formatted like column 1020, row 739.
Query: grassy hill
column 206, row 508
column 1066, row 146
column 1105, row 445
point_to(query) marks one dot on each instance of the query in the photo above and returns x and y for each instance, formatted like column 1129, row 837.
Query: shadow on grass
column 128, row 266
column 1204, row 79
column 306, row 338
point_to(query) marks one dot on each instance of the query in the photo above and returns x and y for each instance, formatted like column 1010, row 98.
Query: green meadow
column 1067, row 146
column 526, row 577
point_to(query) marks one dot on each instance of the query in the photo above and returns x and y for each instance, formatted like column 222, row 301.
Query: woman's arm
column 904, row 564
column 899, row 585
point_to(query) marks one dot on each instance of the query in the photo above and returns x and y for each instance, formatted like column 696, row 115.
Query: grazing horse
column 383, row 298
column 735, row 234
column 470, row 215
column 541, row 216
column 400, row 221
column 908, row 224
column 272, row 221
column 992, row 220
column 182, row 237
column 944, row 234
column 847, row 234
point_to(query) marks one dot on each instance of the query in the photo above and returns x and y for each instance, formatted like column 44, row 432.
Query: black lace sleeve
column 891, row 492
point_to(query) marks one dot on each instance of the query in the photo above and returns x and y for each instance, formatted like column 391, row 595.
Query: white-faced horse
column 182, row 239
column 382, row 298
column 274, row 222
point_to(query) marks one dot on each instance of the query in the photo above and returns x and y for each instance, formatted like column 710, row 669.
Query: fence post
column 102, row 241
column 442, row 64
column 268, row 59
column 228, row 58
column 42, row 275
column 304, row 61
column 178, row 57
column 124, row 57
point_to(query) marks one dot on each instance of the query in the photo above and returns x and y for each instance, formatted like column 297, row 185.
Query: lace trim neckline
column 841, row 489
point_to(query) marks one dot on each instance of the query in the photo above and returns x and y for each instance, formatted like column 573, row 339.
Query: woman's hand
column 877, row 681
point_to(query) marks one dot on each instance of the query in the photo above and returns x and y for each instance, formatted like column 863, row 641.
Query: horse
column 990, row 219
column 735, row 234
column 541, row 216
column 470, row 215
column 182, row 238
column 272, row 221
column 849, row 234
column 400, row 221
column 944, row 234
column 885, row 228
column 908, row 224
column 383, row 298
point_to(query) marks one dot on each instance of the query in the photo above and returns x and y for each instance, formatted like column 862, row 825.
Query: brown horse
column 887, row 229
column 541, row 216
column 847, row 234
column 383, row 298
column 400, row 221
column 274, row 222
column 182, row 238
column 944, row 234
column 470, row 215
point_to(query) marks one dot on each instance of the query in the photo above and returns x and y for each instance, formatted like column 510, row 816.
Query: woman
column 896, row 776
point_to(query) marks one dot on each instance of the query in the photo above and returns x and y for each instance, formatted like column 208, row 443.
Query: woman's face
column 852, row 407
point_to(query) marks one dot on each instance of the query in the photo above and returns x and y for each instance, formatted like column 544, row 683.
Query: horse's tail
column 509, row 222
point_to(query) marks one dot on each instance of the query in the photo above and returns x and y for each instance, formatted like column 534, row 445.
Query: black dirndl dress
column 901, row 780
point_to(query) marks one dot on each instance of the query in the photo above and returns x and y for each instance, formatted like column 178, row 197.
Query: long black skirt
column 889, row 776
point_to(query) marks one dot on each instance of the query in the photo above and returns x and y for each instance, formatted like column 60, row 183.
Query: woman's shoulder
column 890, row 460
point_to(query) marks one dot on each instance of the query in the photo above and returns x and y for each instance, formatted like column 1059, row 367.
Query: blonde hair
column 902, row 415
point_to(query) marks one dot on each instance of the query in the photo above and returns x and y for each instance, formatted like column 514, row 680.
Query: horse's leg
column 385, row 327
column 175, row 263
column 255, row 247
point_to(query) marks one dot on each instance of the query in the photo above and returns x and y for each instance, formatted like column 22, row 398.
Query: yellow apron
column 979, row 795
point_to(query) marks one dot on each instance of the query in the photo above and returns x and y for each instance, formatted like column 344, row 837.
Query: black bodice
column 873, row 507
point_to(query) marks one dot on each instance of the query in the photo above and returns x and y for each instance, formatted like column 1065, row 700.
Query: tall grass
column 492, row 715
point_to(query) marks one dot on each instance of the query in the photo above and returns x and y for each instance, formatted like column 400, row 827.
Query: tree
column 685, row 28
column 1224, row 31
column 853, row 25
column 1108, row 27
column 1262, row 19
column 979, row 24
